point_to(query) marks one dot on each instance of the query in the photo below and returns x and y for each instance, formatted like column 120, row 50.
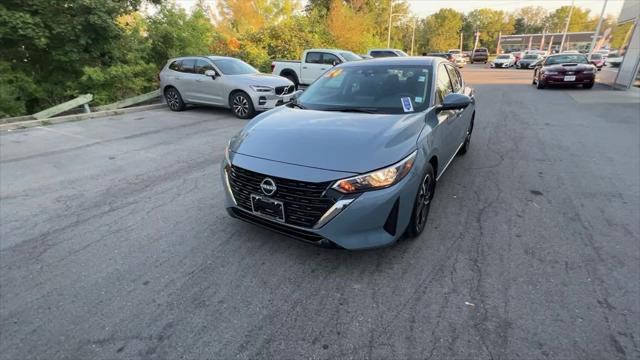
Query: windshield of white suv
column 349, row 56
column 234, row 67
column 503, row 57
column 567, row 59
column 530, row 57
column 386, row 89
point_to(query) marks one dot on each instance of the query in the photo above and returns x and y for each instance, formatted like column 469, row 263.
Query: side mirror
column 335, row 62
column 455, row 101
column 211, row 73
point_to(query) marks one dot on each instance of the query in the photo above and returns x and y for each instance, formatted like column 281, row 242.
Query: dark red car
column 597, row 60
column 565, row 69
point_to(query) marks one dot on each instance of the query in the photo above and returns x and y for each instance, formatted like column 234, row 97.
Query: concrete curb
column 77, row 117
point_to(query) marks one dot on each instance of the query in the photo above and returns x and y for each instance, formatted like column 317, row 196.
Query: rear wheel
column 467, row 139
column 422, row 203
column 241, row 105
column 174, row 99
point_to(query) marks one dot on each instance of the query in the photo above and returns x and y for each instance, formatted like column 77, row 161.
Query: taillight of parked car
column 272, row 66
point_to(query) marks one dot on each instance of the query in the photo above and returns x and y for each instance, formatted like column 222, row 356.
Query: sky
column 422, row 8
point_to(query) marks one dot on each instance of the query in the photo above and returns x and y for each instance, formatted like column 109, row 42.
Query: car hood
column 262, row 79
column 339, row 141
column 568, row 67
column 501, row 60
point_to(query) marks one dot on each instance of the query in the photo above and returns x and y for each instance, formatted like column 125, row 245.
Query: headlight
column 377, row 179
column 261, row 89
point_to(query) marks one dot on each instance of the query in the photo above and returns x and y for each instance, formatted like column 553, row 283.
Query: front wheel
column 539, row 84
column 174, row 99
column 587, row 86
column 422, row 203
column 242, row 106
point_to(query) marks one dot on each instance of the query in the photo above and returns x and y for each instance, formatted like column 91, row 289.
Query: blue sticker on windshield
column 406, row 104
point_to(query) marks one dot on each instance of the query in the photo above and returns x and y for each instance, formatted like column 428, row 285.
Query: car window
column 188, row 65
column 385, row 89
column 382, row 53
column 530, row 57
column 443, row 84
column 349, row 56
column 596, row 56
column 567, row 58
column 314, row 58
column 202, row 66
column 330, row 59
column 503, row 57
column 456, row 81
column 234, row 67
column 175, row 66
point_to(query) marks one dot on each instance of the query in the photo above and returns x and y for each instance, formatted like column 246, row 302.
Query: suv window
column 202, row 66
column 188, row 65
column 376, row 54
column 456, row 80
column 329, row 59
column 314, row 58
column 443, row 84
column 175, row 66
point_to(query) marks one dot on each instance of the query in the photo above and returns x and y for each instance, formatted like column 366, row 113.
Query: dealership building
column 580, row 41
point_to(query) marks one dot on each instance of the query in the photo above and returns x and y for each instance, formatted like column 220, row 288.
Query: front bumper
column 559, row 79
column 499, row 65
column 266, row 101
column 362, row 224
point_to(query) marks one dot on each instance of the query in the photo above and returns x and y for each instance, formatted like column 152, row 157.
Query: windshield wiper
column 357, row 110
column 295, row 104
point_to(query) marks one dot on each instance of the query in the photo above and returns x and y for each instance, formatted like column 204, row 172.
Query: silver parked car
column 222, row 81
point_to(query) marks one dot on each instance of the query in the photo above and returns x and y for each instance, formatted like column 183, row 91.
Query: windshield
column 596, row 56
column 564, row 59
column 349, row 56
column 503, row 57
column 530, row 57
column 402, row 53
column 234, row 67
column 385, row 89
column 454, row 51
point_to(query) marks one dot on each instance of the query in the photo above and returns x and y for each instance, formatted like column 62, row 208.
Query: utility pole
column 413, row 34
column 566, row 27
column 595, row 36
column 389, row 28
column 461, row 33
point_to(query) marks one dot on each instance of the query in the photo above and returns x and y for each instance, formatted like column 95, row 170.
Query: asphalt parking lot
column 114, row 244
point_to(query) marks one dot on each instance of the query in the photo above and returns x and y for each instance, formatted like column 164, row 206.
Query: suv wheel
column 174, row 99
column 241, row 105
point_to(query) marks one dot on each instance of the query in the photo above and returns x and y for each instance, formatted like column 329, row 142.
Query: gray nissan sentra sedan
column 354, row 161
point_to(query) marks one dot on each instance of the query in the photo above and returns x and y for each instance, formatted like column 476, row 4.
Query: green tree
column 580, row 20
column 51, row 41
column 441, row 30
column 490, row 23
column 533, row 18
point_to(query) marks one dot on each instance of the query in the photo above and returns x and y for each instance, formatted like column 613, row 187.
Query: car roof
column 328, row 50
column 401, row 60
column 384, row 49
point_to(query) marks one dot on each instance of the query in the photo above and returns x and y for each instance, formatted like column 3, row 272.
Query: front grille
column 282, row 229
column 304, row 202
column 283, row 90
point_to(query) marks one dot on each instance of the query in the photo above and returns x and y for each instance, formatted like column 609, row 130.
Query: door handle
column 178, row 78
column 304, row 67
column 323, row 68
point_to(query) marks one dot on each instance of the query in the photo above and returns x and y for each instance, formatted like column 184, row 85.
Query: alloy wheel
column 240, row 105
column 173, row 99
column 423, row 203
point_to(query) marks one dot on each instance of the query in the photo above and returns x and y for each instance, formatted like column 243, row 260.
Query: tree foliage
column 53, row 50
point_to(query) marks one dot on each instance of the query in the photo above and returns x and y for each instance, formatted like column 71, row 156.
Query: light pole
column 389, row 27
column 595, row 36
column 413, row 34
column 566, row 28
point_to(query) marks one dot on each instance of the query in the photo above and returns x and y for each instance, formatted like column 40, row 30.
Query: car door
column 187, row 80
column 313, row 67
column 463, row 116
column 447, row 141
column 207, row 90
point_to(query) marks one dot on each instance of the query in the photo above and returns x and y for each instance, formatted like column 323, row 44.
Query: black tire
column 174, row 99
column 587, row 86
column 539, row 84
column 241, row 105
column 467, row 139
column 422, row 203
column 293, row 79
